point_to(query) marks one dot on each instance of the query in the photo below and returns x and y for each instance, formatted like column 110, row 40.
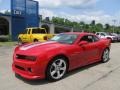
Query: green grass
column 8, row 43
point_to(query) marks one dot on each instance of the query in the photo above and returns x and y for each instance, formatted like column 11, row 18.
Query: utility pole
column 114, row 22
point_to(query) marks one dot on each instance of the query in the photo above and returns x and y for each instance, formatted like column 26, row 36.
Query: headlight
column 32, row 58
column 24, row 57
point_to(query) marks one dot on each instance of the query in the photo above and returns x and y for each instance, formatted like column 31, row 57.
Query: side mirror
column 83, row 43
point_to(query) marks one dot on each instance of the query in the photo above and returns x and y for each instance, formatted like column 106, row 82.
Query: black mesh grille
column 18, row 67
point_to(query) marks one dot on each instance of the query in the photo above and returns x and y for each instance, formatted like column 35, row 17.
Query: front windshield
column 64, row 38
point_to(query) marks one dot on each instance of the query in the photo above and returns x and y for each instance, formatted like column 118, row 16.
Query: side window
column 88, row 38
column 102, row 34
column 97, row 34
column 38, row 31
column 29, row 31
column 95, row 38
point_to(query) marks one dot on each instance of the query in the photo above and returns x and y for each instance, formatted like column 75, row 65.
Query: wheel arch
column 104, row 49
column 35, row 39
column 107, row 48
column 62, row 55
column 59, row 55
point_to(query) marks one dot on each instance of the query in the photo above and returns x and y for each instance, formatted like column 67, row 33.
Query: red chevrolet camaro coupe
column 64, row 52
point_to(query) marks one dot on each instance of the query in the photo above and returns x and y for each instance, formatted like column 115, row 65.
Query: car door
column 28, row 35
column 77, row 56
column 25, row 37
column 90, row 50
column 97, row 51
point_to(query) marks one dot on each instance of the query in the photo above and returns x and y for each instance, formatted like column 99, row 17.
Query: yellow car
column 34, row 35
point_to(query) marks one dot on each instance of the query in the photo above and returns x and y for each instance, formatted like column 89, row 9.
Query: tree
column 54, row 20
column 75, row 24
column 82, row 24
column 93, row 23
column 68, row 22
column 92, row 27
column 99, row 27
column 86, row 26
column 107, row 28
column 7, row 12
column 58, row 20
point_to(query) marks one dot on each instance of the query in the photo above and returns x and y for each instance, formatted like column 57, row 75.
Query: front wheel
column 20, row 41
column 57, row 69
column 105, row 56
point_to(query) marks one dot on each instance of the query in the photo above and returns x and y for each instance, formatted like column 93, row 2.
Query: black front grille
column 18, row 67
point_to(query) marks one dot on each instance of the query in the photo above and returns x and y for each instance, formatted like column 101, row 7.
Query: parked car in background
column 116, row 35
column 63, row 53
column 34, row 34
column 119, row 37
column 107, row 36
column 4, row 38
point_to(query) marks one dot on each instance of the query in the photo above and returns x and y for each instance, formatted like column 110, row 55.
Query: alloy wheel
column 58, row 69
column 105, row 55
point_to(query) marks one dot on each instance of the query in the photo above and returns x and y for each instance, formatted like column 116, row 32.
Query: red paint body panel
column 78, row 55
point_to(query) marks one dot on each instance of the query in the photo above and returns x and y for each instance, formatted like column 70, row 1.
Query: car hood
column 37, row 48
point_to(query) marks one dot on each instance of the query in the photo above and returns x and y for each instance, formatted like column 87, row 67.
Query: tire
column 105, row 55
column 20, row 41
column 56, row 69
column 35, row 40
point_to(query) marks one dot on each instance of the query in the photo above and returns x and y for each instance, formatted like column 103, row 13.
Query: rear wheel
column 105, row 56
column 56, row 69
column 35, row 40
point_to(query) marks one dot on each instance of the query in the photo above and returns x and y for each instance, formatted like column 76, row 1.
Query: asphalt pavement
column 99, row 76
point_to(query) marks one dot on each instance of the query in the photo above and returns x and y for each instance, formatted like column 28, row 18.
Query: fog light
column 29, row 69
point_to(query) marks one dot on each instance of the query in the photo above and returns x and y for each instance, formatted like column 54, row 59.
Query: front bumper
column 27, row 74
column 29, row 70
